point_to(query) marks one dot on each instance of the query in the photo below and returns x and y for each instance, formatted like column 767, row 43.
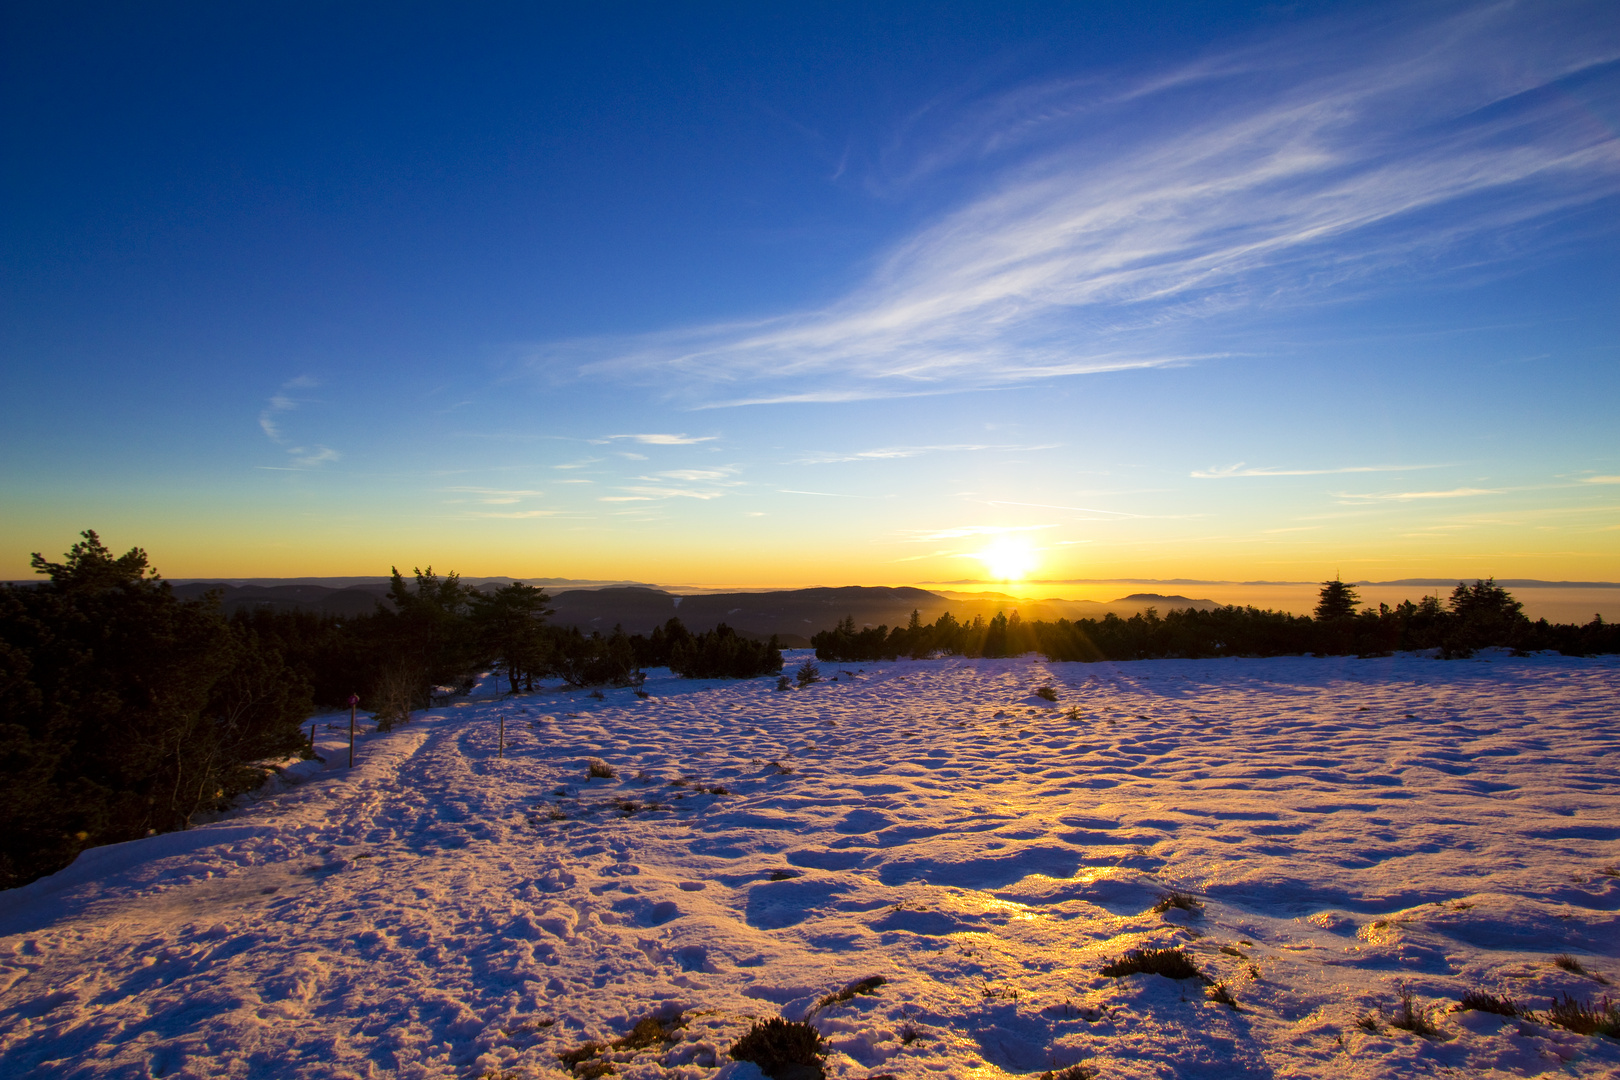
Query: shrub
column 1171, row 963
column 1073, row 1072
column 783, row 1049
column 1046, row 693
column 598, row 770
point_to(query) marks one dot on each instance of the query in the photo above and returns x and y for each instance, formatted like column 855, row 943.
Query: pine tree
column 1336, row 601
column 510, row 627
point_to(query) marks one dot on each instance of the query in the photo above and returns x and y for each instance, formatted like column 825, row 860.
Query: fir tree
column 1336, row 601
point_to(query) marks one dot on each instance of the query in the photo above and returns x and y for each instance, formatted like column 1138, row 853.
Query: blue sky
column 816, row 294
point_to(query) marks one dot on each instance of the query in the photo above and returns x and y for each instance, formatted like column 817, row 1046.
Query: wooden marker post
column 500, row 750
column 354, row 700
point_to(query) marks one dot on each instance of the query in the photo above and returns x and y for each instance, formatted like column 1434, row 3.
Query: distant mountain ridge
column 793, row 614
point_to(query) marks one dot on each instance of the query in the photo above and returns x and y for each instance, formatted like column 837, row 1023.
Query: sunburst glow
column 1008, row 558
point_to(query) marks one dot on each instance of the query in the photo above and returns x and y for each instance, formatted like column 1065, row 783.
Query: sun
column 1008, row 558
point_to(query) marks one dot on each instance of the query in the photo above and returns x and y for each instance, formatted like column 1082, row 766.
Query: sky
column 781, row 295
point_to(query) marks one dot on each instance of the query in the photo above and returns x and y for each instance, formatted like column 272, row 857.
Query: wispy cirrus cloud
column 284, row 401
column 887, row 453
column 721, row 475
column 962, row 532
column 662, row 440
column 497, row 496
column 1073, row 509
column 1228, row 472
column 1411, row 496
column 1120, row 213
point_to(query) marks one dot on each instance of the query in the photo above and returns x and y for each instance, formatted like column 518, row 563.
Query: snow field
column 1349, row 826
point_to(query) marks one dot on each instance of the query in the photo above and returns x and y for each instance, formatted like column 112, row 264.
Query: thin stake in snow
column 354, row 700
column 500, row 742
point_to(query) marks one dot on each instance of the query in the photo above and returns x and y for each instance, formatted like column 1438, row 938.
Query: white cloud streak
column 887, row 453
column 963, row 531
column 666, row 440
column 1228, row 472
column 1286, row 171
column 302, row 457
column 1409, row 496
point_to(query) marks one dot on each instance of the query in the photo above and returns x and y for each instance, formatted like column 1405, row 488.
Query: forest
column 1477, row 616
column 129, row 711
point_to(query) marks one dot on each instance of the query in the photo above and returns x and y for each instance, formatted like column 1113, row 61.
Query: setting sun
column 1008, row 559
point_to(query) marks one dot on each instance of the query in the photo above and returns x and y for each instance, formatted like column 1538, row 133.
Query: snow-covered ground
column 439, row 911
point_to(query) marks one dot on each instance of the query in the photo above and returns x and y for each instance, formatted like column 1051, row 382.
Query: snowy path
column 442, row 912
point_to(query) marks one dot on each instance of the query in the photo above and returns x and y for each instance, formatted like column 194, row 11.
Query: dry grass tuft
column 1585, row 1017
column 1184, row 901
column 1412, row 1016
column 1222, row 993
column 868, row 985
column 1073, row 1072
column 1046, row 693
column 584, row 1060
column 581, row 1060
column 597, row 769
column 1170, row 963
column 1479, row 1001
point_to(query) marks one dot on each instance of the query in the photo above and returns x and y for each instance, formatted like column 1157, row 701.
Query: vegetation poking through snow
column 584, row 1061
column 783, row 1049
column 1585, row 1017
column 868, row 985
column 1179, row 900
column 1171, row 963
column 1479, row 1001
column 1410, row 1016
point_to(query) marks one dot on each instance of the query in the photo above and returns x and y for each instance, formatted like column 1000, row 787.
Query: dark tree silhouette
column 510, row 626
column 1336, row 601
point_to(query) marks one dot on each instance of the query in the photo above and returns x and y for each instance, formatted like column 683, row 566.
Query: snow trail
column 442, row 911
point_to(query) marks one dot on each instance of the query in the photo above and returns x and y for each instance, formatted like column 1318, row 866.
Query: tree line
column 1477, row 616
column 129, row 711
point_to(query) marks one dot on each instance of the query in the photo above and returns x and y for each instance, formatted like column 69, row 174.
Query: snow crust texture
column 1347, row 826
